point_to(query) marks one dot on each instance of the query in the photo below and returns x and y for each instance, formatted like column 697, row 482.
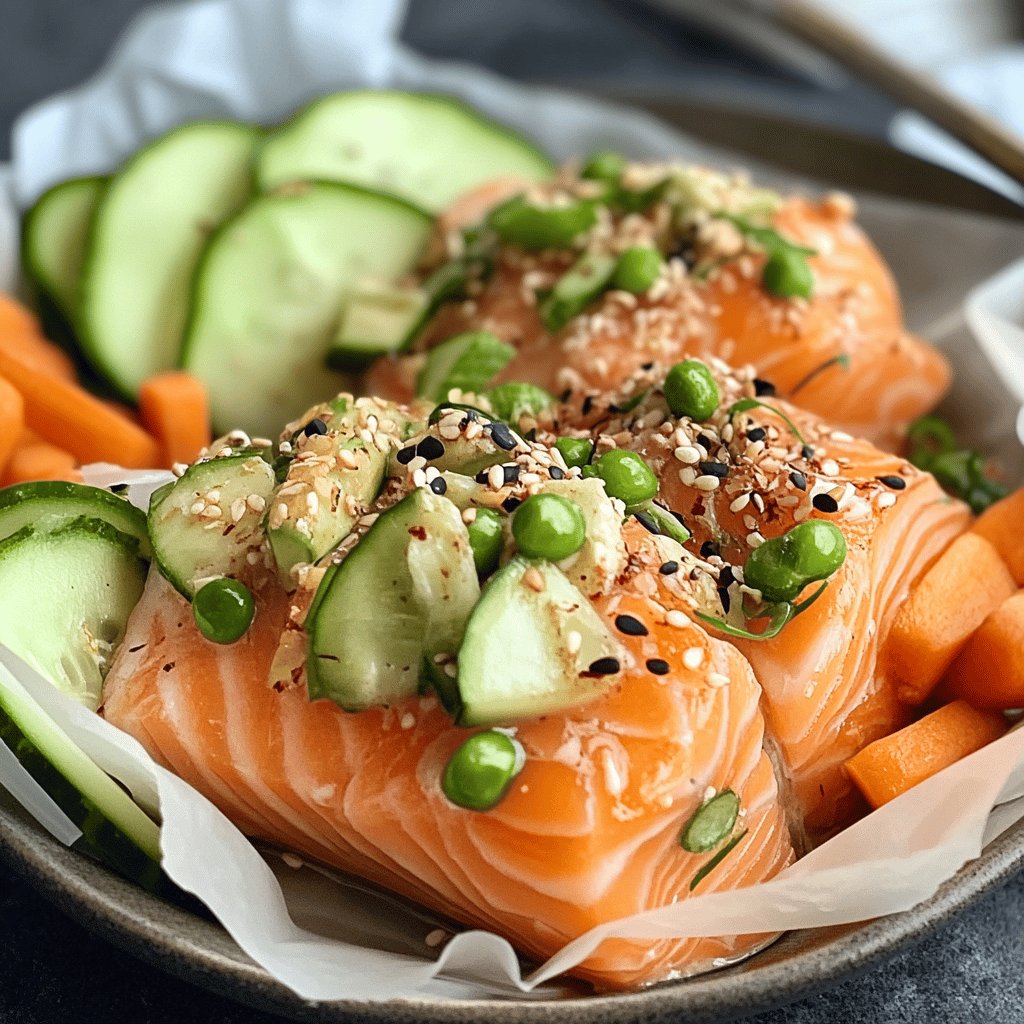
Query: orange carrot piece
column 989, row 671
column 66, row 415
column 38, row 460
column 22, row 337
column 173, row 407
column 892, row 765
column 12, row 420
column 967, row 583
column 1002, row 525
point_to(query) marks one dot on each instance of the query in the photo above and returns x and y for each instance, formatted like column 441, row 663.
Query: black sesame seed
column 825, row 503
column 511, row 471
column 648, row 522
column 510, row 504
column 315, row 426
column 725, row 577
column 406, row 455
column 757, row 434
column 430, row 448
column 481, row 477
column 718, row 469
column 588, row 404
column 709, row 548
column 807, row 452
column 604, row 666
column 723, row 596
column 763, row 387
column 502, row 436
column 707, row 441
column 565, row 395
column 438, row 485
column 657, row 666
column 897, row 483
column 630, row 626
column 798, row 480
column 555, row 473
column 118, row 488
column 668, row 568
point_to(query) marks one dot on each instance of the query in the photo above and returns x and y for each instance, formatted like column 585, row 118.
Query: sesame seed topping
column 314, row 426
column 706, row 483
column 406, row 455
column 604, row 667
column 430, row 448
column 677, row 618
column 763, row 387
column 825, row 503
column 630, row 626
column 718, row 469
column 668, row 568
column 555, row 473
column 757, row 434
column 502, row 436
column 798, row 480
column 693, row 658
column 533, row 579
column 573, row 641
column 511, row 503
column 657, row 666
column 886, row 500
column 717, row 680
column 438, row 485
column 896, row 483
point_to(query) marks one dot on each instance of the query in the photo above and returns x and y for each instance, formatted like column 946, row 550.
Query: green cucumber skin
column 101, row 838
column 332, row 382
column 542, row 166
column 63, row 294
column 88, row 337
column 57, row 501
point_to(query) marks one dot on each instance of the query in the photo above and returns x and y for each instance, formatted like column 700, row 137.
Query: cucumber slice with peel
column 210, row 520
column 271, row 288
column 47, row 504
column 378, row 319
column 114, row 828
column 65, row 598
column 400, row 598
column 529, row 647
column 146, row 235
column 469, row 362
column 54, row 236
column 427, row 149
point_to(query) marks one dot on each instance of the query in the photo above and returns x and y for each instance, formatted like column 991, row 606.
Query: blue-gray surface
column 53, row 971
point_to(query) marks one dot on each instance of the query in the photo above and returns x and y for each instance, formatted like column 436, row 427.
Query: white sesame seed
column 706, row 483
column 468, row 515
column 348, row 459
column 312, row 503
column 886, row 500
column 256, row 502
column 693, row 657
column 687, row 454
column 717, row 680
column 573, row 641
column 408, row 720
column 740, row 503
column 754, row 539
column 676, row 618
column 237, row 509
column 496, row 478
column 419, row 478
column 197, row 507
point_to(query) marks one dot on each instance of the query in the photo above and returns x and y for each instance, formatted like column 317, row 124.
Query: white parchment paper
column 259, row 59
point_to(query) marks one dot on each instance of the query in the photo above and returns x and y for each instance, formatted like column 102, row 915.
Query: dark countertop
column 53, row 970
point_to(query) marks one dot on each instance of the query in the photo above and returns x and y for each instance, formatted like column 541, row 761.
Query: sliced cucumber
column 378, row 319
column 460, row 455
column 53, row 239
column 65, row 598
column 114, row 829
column 426, row 149
column 469, row 362
column 270, row 290
column 192, row 542
column 401, row 597
column 47, row 504
column 529, row 652
column 147, row 232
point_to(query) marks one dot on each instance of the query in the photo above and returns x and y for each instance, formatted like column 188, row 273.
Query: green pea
column 690, row 390
column 575, row 451
column 638, row 268
column 481, row 770
column 522, row 223
column 787, row 274
column 781, row 567
column 549, row 526
column 604, row 166
column 485, row 540
column 626, row 476
column 223, row 610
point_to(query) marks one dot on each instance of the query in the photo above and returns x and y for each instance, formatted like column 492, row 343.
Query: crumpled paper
column 258, row 59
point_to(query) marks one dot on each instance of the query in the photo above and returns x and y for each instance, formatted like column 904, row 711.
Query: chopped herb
column 746, row 404
column 716, row 860
column 711, row 822
column 842, row 360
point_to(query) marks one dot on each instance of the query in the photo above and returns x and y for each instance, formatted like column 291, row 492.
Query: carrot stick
column 967, row 583
column 12, row 420
column 68, row 416
column 22, row 337
column 174, row 408
column 989, row 671
column 892, row 765
column 38, row 460
column 1003, row 526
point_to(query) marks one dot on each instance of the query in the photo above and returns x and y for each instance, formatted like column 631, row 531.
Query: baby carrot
column 892, row 765
column 968, row 581
column 1002, row 525
column 989, row 671
column 12, row 420
column 22, row 337
column 33, row 459
column 66, row 415
column 174, row 409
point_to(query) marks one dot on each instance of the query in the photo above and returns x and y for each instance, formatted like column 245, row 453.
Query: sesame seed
column 886, row 500
column 706, row 483
column 347, row 459
column 763, row 387
column 533, row 579
column 807, row 452
column 511, row 503
column 502, row 436
column 830, row 467
column 693, row 657
column 687, row 454
column 604, row 667
column 237, row 509
column 408, row 720
column 510, row 473
column 717, row 680
column 496, row 477
column 754, row 539
column 419, row 478
column 677, row 618
column 897, row 483
column 668, row 568
column 573, row 641
column 718, row 469
column 438, row 485
column 757, row 434
column 798, row 480
column 555, row 473
column 256, row 502
column 197, row 507
column 406, row 455
column 738, row 504
column 825, row 503
column 630, row 626
column 430, row 448
column 315, row 426
column 657, row 666
column 469, row 515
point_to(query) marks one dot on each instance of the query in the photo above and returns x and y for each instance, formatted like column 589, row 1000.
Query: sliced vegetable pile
column 238, row 254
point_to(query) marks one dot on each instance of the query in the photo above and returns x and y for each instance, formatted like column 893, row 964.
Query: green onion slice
column 716, row 860
column 746, row 404
column 711, row 822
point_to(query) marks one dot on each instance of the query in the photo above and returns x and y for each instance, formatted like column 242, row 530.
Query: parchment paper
column 258, row 59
